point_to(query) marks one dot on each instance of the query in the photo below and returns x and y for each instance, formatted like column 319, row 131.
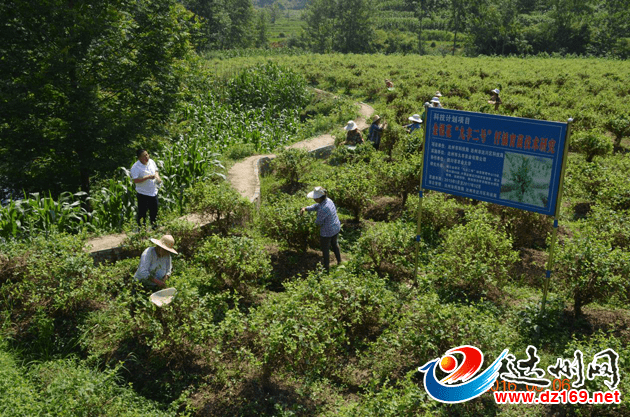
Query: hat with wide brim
column 495, row 91
column 318, row 192
column 351, row 125
column 167, row 243
column 435, row 100
column 163, row 297
column 438, row 94
column 416, row 118
column 375, row 118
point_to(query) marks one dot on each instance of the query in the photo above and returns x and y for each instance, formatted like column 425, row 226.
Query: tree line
column 83, row 82
column 488, row 27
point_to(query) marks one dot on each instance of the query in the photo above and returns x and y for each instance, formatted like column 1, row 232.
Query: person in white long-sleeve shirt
column 155, row 263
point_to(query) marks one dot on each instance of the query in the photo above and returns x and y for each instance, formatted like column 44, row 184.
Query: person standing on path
column 146, row 178
column 328, row 221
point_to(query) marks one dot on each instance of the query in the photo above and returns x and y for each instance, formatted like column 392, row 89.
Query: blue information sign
column 511, row 161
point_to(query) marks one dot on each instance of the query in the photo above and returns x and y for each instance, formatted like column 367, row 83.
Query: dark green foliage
column 620, row 127
column 292, row 165
column 281, row 220
column 476, row 259
column 81, row 83
column 391, row 243
column 401, row 176
column 236, row 260
column 425, row 328
column 591, row 270
column 268, row 86
column 312, row 327
column 353, row 188
column 591, row 144
column 65, row 387
column 220, row 203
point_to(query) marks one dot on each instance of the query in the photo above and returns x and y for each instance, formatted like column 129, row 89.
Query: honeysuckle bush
column 440, row 212
column 591, row 270
column 237, row 260
column 291, row 165
column 280, row 219
column 67, row 387
column 317, row 322
column 219, row 202
column 391, row 243
column 476, row 258
column 44, row 283
column 426, row 327
column 353, row 188
column 591, row 143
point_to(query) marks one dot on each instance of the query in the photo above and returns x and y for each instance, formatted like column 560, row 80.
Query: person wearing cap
column 416, row 123
column 146, row 178
column 495, row 99
column 328, row 221
column 155, row 263
column 435, row 102
column 353, row 137
column 376, row 131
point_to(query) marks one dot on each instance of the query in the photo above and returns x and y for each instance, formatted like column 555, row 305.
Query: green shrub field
column 258, row 328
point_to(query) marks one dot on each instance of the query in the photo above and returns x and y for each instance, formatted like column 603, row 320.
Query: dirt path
column 244, row 174
column 244, row 178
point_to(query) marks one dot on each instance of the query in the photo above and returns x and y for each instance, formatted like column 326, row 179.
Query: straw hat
column 318, row 192
column 416, row 118
column 166, row 242
column 163, row 297
column 438, row 94
column 496, row 91
column 375, row 118
column 351, row 125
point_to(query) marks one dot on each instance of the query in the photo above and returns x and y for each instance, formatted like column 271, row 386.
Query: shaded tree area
column 225, row 24
column 83, row 82
column 339, row 25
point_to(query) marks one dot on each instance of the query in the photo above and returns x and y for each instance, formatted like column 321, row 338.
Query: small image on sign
column 526, row 179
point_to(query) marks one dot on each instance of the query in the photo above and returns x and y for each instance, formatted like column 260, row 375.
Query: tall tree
column 80, row 82
column 320, row 18
column 424, row 10
column 353, row 27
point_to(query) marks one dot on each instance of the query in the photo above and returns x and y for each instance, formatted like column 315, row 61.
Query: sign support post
column 554, row 233
column 420, row 195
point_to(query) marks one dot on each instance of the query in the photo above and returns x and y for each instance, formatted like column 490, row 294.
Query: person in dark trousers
column 329, row 224
column 376, row 131
column 146, row 178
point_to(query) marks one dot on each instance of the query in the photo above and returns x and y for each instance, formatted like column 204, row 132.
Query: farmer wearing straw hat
column 155, row 263
column 376, row 131
column 146, row 178
column 495, row 99
column 437, row 94
column 328, row 221
column 416, row 123
column 353, row 137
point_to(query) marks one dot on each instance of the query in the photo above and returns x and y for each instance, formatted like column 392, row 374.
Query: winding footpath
column 243, row 176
